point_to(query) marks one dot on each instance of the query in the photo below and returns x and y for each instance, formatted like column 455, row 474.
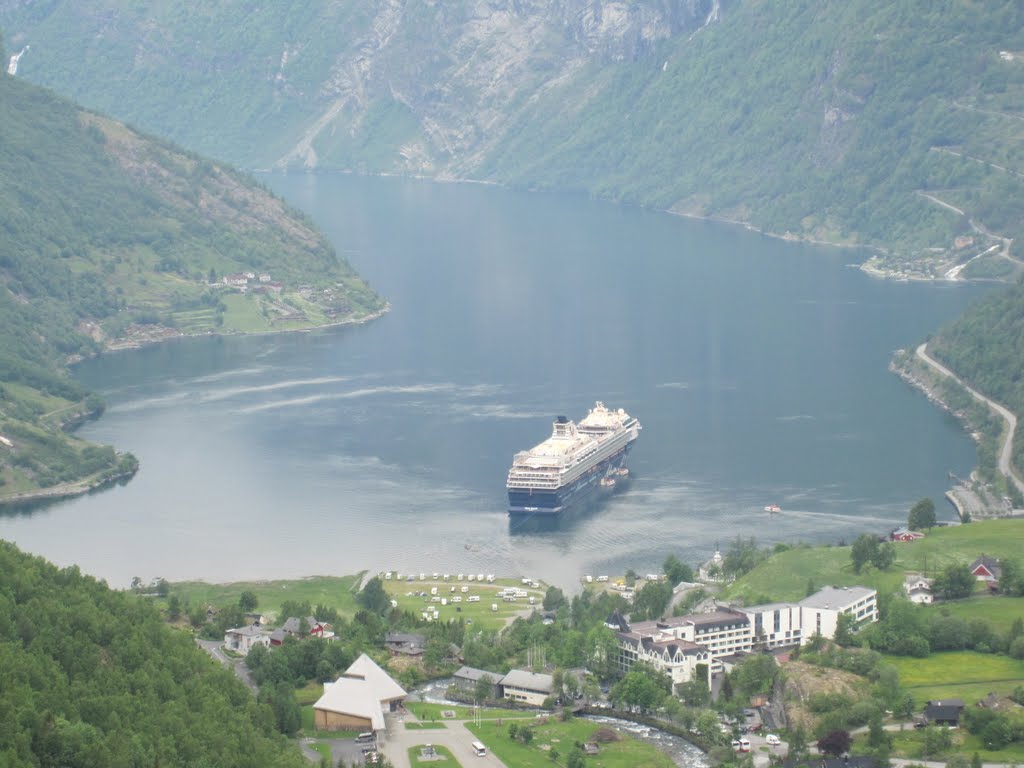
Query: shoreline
column 134, row 345
column 86, row 486
column 65, row 491
column 864, row 266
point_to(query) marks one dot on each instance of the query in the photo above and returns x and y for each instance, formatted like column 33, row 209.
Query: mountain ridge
column 852, row 123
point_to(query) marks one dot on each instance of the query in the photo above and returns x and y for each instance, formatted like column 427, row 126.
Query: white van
column 773, row 740
column 479, row 749
column 363, row 738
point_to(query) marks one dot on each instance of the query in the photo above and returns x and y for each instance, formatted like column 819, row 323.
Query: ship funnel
column 561, row 420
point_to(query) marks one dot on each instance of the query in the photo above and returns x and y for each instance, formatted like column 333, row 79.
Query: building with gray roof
column 527, row 687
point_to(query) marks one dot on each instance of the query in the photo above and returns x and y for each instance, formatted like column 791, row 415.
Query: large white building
column 358, row 700
column 820, row 612
column 527, row 687
column 676, row 646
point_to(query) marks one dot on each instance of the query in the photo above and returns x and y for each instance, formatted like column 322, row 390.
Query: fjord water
column 757, row 368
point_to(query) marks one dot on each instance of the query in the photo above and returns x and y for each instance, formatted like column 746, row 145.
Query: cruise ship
column 571, row 463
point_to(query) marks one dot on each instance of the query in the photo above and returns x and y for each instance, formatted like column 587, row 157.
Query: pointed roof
column 365, row 668
column 362, row 691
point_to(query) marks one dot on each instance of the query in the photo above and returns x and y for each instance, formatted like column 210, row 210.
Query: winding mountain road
column 1011, row 420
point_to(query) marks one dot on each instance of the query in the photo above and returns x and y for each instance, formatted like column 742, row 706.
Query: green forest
column 111, row 238
column 93, row 677
column 985, row 346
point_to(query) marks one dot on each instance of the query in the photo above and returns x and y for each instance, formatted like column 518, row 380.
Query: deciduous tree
column 922, row 515
column 248, row 601
column 955, row 581
column 835, row 743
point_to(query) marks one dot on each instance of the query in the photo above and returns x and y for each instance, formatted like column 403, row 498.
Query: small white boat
column 773, row 508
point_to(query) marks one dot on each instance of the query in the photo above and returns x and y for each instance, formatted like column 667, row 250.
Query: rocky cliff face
column 459, row 72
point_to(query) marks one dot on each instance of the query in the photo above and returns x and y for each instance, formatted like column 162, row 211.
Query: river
column 757, row 368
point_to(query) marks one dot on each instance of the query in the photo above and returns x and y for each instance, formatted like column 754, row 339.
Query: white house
column 244, row 639
column 918, row 589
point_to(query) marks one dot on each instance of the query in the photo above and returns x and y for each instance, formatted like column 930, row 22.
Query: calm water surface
column 757, row 367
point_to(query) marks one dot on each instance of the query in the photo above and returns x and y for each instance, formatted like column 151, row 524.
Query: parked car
column 754, row 727
column 773, row 740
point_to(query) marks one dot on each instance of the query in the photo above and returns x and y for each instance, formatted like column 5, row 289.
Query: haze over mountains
column 893, row 125
column 843, row 121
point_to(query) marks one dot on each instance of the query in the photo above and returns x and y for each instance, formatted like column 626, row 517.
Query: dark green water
column 757, row 367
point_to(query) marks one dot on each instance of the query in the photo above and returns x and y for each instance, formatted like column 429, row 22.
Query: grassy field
column 907, row 744
column 998, row 612
column 243, row 314
column 337, row 592
column 446, row 759
column 789, row 572
column 958, row 674
column 554, row 734
column 414, row 596
column 962, row 543
column 785, row 576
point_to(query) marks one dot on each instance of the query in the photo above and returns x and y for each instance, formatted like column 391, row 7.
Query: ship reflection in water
column 582, row 510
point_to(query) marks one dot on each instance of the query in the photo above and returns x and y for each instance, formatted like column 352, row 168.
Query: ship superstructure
column 571, row 463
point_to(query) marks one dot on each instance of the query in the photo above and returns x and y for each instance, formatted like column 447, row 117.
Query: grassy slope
column 958, row 674
column 336, row 592
column 788, row 573
column 109, row 238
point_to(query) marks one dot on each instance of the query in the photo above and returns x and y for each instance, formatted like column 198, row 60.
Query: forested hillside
column 93, row 677
column 889, row 124
column 985, row 346
column 110, row 238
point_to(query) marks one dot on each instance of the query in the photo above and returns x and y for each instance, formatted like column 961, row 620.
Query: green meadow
column 551, row 734
column 338, row 592
column 965, row 675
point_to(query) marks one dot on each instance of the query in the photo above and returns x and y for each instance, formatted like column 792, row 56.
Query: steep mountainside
column 985, row 346
column 890, row 124
column 110, row 238
column 92, row 677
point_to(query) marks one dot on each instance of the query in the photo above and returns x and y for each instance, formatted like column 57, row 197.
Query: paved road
column 213, row 647
column 1011, row 420
column 455, row 736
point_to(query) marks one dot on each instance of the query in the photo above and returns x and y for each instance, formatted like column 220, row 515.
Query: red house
column 905, row 534
column 986, row 569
